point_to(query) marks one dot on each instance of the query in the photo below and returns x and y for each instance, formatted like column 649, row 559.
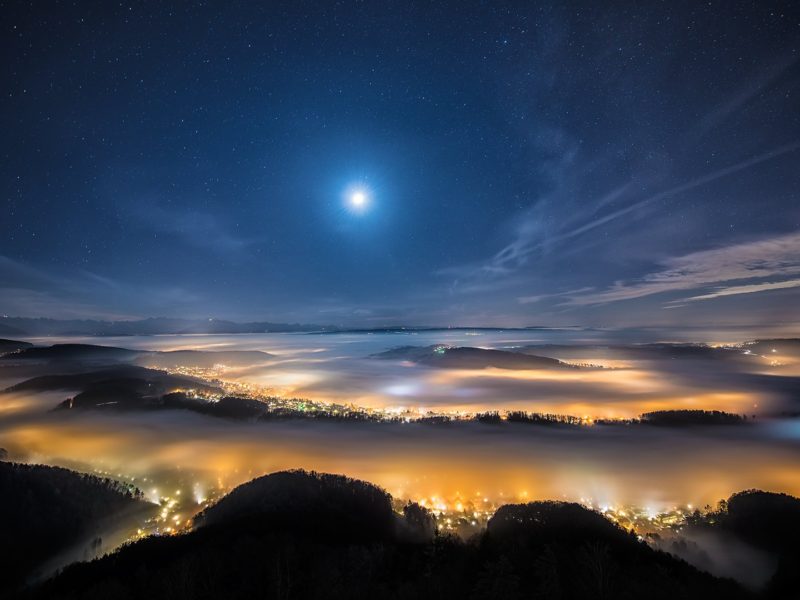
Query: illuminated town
column 176, row 503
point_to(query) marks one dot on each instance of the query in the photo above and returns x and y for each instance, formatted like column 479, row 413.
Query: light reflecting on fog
column 642, row 465
column 337, row 368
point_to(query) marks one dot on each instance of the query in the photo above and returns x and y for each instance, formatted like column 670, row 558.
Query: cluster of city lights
column 467, row 515
column 275, row 400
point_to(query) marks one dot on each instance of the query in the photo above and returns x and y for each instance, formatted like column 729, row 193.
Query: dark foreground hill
column 319, row 504
column 303, row 535
column 44, row 510
column 767, row 521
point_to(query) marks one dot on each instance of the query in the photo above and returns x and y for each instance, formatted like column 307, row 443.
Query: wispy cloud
column 30, row 291
column 762, row 78
column 748, row 289
column 194, row 227
column 593, row 188
column 530, row 238
column 738, row 268
column 684, row 187
column 539, row 297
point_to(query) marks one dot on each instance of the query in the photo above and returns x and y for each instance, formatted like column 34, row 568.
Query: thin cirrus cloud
column 193, row 227
column 528, row 239
column 748, row 289
column 31, row 291
column 533, row 231
column 745, row 268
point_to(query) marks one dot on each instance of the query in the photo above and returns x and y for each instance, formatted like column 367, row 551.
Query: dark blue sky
column 525, row 163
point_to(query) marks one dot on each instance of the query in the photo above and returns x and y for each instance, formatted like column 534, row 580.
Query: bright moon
column 358, row 200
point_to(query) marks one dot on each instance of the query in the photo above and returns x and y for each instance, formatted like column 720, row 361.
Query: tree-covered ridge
column 43, row 510
column 675, row 418
column 765, row 520
column 309, row 535
column 318, row 502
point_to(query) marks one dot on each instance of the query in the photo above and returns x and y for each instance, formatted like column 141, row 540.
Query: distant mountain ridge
column 42, row 326
column 24, row 326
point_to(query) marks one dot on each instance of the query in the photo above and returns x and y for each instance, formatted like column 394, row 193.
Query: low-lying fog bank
column 616, row 464
column 647, row 466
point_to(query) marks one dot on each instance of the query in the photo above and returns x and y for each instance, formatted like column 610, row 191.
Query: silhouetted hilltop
column 550, row 521
column 306, row 535
column 74, row 352
column 470, row 358
column 128, row 387
column 43, row 510
column 229, row 407
column 564, row 550
column 314, row 503
column 125, row 393
column 12, row 346
column 682, row 418
column 113, row 383
column 764, row 519
column 84, row 380
column 767, row 521
column 137, row 388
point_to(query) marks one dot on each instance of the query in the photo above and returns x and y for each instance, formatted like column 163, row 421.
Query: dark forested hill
column 767, row 521
column 465, row 357
column 43, row 510
column 304, row 535
column 74, row 352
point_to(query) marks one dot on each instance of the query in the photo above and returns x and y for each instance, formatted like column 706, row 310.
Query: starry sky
column 570, row 163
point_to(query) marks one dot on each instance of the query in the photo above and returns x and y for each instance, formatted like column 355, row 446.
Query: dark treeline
column 43, row 510
column 303, row 535
column 692, row 417
column 519, row 416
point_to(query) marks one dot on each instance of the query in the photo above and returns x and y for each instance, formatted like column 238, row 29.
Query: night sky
column 377, row 163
